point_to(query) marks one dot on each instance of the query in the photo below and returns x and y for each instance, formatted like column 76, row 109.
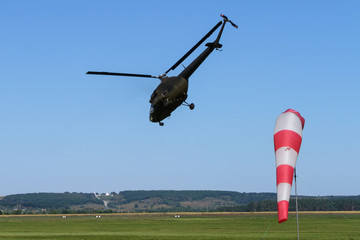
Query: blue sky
column 62, row 130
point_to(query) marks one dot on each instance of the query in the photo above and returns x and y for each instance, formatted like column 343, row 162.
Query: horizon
column 118, row 192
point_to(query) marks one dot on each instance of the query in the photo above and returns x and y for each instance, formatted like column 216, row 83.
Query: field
column 209, row 226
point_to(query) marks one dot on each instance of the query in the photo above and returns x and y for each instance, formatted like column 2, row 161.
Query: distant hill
column 48, row 200
column 165, row 201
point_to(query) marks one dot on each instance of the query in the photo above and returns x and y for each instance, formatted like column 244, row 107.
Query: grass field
column 188, row 226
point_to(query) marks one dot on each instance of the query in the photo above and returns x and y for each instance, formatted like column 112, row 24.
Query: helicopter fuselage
column 170, row 93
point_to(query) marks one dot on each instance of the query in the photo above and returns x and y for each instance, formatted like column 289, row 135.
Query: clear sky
column 62, row 130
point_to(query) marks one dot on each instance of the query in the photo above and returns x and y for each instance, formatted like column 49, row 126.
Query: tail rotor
column 227, row 20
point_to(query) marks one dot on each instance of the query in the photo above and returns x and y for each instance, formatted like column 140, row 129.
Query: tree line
column 304, row 204
column 194, row 195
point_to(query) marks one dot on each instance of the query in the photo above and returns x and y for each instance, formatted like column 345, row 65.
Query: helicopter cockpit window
column 153, row 95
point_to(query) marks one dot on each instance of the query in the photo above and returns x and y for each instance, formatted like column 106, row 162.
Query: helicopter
column 172, row 91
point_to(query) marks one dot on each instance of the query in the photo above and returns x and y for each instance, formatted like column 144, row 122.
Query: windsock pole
column 296, row 204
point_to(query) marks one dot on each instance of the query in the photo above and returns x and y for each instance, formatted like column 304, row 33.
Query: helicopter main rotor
column 176, row 64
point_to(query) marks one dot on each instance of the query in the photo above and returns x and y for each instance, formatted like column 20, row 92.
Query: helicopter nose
column 153, row 119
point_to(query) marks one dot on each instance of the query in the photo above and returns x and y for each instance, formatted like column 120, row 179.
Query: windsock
column 287, row 142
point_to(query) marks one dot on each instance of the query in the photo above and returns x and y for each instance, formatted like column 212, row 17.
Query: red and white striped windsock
column 287, row 141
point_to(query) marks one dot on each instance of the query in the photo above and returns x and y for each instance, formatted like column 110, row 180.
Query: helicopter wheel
column 161, row 123
column 192, row 106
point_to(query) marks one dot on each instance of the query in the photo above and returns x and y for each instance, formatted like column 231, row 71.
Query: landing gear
column 191, row 105
column 161, row 123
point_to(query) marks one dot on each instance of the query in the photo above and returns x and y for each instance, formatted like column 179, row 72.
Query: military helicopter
column 172, row 91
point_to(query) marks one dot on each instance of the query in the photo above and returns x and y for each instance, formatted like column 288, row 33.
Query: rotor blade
column 122, row 74
column 233, row 24
column 225, row 17
column 194, row 47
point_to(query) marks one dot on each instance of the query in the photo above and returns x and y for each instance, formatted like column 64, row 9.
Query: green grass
column 189, row 226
